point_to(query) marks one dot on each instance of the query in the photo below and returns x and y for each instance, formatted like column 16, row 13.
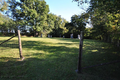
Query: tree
column 32, row 13
column 4, row 21
column 35, row 14
column 1, row 19
column 50, row 23
column 12, row 12
column 87, row 33
column 3, row 5
column 59, row 26
column 78, row 22
column 80, row 2
column 105, row 17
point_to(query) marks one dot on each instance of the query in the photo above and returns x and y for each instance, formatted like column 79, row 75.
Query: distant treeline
column 33, row 18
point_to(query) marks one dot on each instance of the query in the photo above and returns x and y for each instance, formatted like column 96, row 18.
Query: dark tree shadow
column 60, row 62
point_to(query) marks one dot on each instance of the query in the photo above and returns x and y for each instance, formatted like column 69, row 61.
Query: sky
column 65, row 8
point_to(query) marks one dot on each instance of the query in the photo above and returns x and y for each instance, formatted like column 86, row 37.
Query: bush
column 1, row 34
column 10, row 34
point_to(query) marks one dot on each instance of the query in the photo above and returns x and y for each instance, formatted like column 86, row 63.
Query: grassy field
column 56, row 59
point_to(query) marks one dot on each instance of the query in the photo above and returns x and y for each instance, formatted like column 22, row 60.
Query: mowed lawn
column 57, row 59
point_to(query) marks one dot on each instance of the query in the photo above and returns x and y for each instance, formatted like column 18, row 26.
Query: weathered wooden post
column 20, row 46
column 118, row 43
column 80, row 53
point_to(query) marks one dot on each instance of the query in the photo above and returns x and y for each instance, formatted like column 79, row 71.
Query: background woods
column 33, row 18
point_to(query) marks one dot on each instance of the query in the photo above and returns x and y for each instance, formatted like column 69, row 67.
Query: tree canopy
column 33, row 13
column 3, row 5
column 34, row 16
column 105, row 17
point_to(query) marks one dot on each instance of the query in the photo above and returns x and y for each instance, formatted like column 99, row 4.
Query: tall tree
column 79, row 22
column 59, row 26
column 35, row 14
column 14, row 7
column 32, row 13
column 4, row 23
column 50, row 23
column 105, row 15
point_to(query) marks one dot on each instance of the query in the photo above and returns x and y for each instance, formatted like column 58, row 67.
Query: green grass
column 56, row 59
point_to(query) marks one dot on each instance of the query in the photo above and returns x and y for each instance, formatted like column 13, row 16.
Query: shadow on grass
column 10, row 44
column 60, row 62
column 97, row 52
column 68, row 39
column 50, row 68
column 57, row 63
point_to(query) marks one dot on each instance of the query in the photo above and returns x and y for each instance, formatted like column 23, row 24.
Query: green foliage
column 106, row 20
column 105, row 17
column 1, row 34
column 80, row 2
column 88, row 33
column 1, row 19
column 5, row 24
column 77, row 24
column 3, row 5
column 31, row 13
column 35, row 14
column 59, row 26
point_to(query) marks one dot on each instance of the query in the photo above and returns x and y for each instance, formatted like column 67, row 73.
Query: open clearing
column 57, row 59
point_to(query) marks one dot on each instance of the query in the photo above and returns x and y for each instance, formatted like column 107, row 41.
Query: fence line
column 102, row 64
column 8, row 39
column 19, row 41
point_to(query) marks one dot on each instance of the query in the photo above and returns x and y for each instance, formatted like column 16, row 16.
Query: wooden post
column 20, row 46
column 80, row 53
column 118, row 43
